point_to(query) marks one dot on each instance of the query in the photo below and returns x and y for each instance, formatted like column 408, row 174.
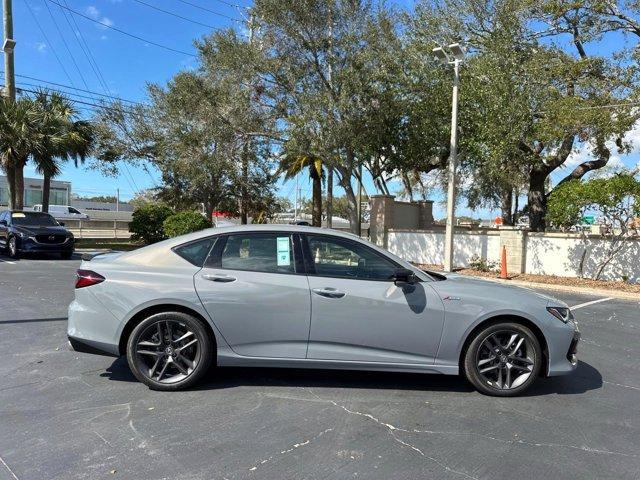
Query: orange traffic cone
column 503, row 263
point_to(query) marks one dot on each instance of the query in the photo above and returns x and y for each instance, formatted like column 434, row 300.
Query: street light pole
column 457, row 51
column 453, row 161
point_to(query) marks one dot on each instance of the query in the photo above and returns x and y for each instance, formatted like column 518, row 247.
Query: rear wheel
column 169, row 351
column 503, row 359
column 66, row 255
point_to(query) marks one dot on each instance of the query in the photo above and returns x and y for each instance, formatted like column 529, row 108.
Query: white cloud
column 103, row 37
column 41, row 47
column 92, row 11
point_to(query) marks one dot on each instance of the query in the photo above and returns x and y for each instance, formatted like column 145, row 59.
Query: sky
column 56, row 45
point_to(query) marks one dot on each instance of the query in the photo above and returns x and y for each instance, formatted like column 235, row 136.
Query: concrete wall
column 536, row 253
column 386, row 213
column 427, row 247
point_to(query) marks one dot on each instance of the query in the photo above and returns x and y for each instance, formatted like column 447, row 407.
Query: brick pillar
column 380, row 218
column 425, row 214
column 513, row 239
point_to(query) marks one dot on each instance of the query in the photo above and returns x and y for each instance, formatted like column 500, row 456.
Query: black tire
column 12, row 248
column 202, row 358
column 66, row 255
column 479, row 346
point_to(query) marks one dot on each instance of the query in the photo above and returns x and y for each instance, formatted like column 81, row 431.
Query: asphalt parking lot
column 66, row 415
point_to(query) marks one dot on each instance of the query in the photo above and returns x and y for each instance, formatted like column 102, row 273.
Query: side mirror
column 404, row 275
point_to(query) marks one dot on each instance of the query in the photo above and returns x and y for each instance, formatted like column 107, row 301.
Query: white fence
column 544, row 254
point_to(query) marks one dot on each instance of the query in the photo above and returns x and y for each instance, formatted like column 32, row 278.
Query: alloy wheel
column 167, row 351
column 505, row 359
column 13, row 247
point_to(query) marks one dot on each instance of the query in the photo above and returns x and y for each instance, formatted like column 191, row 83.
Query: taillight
column 86, row 278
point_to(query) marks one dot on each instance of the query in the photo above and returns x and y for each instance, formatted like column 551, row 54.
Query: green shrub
column 184, row 222
column 147, row 222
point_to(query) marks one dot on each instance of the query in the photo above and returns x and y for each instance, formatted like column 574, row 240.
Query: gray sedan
column 303, row 297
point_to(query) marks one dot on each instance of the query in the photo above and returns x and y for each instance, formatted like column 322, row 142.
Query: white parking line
column 586, row 304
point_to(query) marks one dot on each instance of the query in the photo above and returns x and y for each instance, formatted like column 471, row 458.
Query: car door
column 254, row 288
column 358, row 312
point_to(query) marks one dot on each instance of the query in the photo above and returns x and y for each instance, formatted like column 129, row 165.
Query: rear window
column 196, row 252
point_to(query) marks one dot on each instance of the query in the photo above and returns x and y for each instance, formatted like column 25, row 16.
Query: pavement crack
column 392, row 429
column 295, row 446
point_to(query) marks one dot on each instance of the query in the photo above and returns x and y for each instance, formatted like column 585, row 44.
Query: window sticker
column 284, row 259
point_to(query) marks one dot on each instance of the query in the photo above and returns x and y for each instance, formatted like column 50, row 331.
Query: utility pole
column 8, row 47
column 244, row 190
column 359, row 209
column 453, row 161
column 117, row 199
column 458, row 55
column 330, row 167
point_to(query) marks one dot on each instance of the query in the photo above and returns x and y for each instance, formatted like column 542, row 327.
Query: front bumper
column 30, row 245
column 572, row 354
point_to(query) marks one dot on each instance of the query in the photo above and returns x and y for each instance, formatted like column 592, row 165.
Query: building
column 60, row 193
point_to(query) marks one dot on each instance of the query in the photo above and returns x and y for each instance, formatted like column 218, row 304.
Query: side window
column 258, row 252
column 334, row 257
column 73, row 210
column 196, row 252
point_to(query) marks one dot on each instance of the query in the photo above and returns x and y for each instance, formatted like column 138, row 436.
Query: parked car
column 63, row 212
column 305, row 297
column 33, row 232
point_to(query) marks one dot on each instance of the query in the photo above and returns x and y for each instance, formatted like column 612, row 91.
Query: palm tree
column 291, row 165
column 60, row 138
column 17, row 140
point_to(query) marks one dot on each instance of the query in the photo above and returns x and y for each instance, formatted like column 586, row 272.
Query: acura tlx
column 304, row 297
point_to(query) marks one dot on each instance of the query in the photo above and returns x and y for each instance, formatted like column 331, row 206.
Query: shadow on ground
column 585, row 378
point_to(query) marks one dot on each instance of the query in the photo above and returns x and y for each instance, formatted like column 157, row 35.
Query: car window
column 33, row 219
column 334, row 257
column 258, row 252
column 73, row 210
column 196, row 252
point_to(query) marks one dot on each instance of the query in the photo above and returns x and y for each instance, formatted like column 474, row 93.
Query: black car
column 37, row 232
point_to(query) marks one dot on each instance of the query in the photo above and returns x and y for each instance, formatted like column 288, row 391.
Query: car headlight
column 563, row 314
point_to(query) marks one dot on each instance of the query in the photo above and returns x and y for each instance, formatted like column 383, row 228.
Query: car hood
column 463, row 286
column 40, row 230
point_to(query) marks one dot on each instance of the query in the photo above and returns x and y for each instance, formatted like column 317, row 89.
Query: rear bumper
column 88, row 346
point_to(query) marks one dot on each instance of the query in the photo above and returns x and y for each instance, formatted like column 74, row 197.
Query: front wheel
column 503, row 359
column 169, row 351
column 12, row 248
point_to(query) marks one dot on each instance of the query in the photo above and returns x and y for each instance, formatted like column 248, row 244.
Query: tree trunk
column 346, row 173
column 537, row 200
column 516, row 206
column 316, row 214
column 506, row 204
column 46, row 190
column 11, row 182
column 330, row 197
column 19, row 191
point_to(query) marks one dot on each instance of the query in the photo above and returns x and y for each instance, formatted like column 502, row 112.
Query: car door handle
column 328, row 292
column 218, row 278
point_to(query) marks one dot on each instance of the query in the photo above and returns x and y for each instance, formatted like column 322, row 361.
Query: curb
column 568, row 288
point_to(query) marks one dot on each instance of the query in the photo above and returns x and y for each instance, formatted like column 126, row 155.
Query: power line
column 209, row 10
column 87, row 52
column 35, row 19
column 141, row 2
column 78, row 89
column 106, row 25
column 64, row 41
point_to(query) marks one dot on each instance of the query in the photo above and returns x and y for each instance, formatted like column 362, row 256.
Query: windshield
column 33, row 219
